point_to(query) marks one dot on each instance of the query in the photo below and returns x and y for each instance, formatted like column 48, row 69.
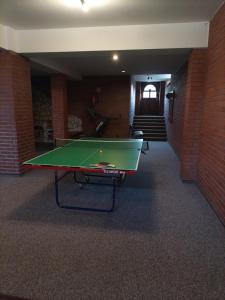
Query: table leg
column 56, row 189
column 57, row 179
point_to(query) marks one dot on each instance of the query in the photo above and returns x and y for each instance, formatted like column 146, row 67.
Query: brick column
column 59, row 106
column 192, row 114
column 16, row 117
column 211, row 168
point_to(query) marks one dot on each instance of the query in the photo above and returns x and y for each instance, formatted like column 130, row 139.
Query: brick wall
column 194, row 98
column 211, row 169
column 114, row 101
column 16, row 119
column 175, row 129
column 198, row 131
column 59, row 96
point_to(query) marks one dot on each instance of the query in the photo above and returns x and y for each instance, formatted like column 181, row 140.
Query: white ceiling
column 34, row 14
column 152, row 77
column 100, row 63
column 43, row 14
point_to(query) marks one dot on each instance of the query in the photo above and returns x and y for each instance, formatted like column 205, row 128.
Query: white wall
column 133, row 37
column 8, row 38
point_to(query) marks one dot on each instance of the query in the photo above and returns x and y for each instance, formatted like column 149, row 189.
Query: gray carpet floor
column 162, row 242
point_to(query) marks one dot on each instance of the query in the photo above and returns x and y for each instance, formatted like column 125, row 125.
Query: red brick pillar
column 16, row 117
column 192, row 114
column 59, row 106
column 211, row 169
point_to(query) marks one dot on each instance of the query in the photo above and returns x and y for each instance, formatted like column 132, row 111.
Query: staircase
column 153, row 127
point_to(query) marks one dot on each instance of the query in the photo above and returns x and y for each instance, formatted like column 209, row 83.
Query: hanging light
column 85, row 7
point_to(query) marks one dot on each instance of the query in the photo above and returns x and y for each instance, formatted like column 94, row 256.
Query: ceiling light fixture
column 115, row 57
column 85, row 7
column 71, row 3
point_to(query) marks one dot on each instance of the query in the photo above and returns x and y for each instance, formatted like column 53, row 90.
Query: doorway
column 150, row 98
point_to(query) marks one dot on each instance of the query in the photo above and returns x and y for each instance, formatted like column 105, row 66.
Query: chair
column 138, row 134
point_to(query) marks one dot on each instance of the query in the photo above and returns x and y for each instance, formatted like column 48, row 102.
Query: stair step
column 157, row 139
column 153, row 127
column 152, row 131
column 155, row 134
column 147, row 117
column 149, row 127
column 149, row 120
column 141, row 125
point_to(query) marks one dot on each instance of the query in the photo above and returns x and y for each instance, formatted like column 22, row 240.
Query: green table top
column 121, row 154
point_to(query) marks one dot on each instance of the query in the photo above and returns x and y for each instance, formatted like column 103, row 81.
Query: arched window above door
column 150, row 91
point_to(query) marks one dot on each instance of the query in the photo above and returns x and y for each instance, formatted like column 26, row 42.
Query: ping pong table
column 111, row 158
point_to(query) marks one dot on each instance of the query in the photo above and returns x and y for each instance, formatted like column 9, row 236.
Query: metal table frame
column 117, row 177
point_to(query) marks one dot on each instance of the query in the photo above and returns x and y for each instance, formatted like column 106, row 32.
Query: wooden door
column 150, row 98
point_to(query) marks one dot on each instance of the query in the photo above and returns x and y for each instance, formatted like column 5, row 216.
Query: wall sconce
column 171, row 95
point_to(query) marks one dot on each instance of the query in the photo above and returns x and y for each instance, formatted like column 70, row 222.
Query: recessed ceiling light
column 123, row 71
column 115, row 57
